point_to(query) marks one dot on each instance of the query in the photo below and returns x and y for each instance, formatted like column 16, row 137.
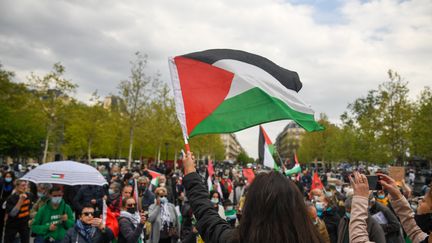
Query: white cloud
column 337, row 62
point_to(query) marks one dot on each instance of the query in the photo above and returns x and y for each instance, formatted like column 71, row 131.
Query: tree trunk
column 130, row 146
column 89, row 151
column 44, row 158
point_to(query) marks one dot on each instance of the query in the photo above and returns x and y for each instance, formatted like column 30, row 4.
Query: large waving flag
column 266, row 149
column 224, row 91
column 316, row 182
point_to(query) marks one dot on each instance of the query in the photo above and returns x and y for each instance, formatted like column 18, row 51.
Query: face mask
column 131, row 182
column 316, row 198
column 329, row 194
column 414, row 207
column 111, row 191
column 229, row 208
column 56, row 200
column 40, row 195
column 8, row 179
column 381, row 197
column 162, row 184
column 131, row 210
column 348, row 215
column 164, row 200
column 214, row 200
column 339, row 188
column 329, row 209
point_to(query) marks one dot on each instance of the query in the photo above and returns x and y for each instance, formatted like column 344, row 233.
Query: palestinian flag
column 224, row 91
column 210, row 172
column 316, row 182
column 155, row 175
column 294, row 169
column 266, row 150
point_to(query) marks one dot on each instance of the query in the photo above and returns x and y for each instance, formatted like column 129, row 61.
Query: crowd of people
column 186, row 205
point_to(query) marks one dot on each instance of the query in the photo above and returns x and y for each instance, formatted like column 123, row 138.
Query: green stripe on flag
column 251, row 108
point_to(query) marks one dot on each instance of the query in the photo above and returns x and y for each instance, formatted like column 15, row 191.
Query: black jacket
column 331, row 220
column 393, row 228
column 211, row 227
column 73, row 236
column 86, row 194
column 128, row 232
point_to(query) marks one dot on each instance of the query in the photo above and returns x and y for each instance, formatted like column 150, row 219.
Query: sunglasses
column 88, row 213
column 130, row 205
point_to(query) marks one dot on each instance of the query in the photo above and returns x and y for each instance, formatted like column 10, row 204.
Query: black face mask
column 131, row 210
column 142, row 188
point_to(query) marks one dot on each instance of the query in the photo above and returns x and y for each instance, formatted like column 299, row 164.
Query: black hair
column 274, row 211
column 55, row 189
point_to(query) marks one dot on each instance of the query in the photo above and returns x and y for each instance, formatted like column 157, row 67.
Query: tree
column 84, row 128
column 243, row 158
column 421, row 131
column 396, row 111
column 316, row 145
column 21, row 129
column 53, row 93
column 136, row 94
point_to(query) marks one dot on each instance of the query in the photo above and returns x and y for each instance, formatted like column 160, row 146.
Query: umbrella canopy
column 67, row 173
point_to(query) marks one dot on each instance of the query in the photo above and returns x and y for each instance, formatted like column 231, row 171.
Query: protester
column 375, row 232
column 7, row 186
column 217, row 204
column 89, row 194
column 387, row 220
column 131, row 223
column 53, row 219
column 164, row 219
column 18, row 213
column 359, row 212
column 43, row 196
column 274, row 211
column 319, row 224
column 88, row 229
column 146, row 196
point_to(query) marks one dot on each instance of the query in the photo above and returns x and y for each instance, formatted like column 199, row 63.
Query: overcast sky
column 340, row 48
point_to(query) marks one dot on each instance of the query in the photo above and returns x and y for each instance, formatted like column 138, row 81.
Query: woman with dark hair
column 274, row 211
column 215, row 199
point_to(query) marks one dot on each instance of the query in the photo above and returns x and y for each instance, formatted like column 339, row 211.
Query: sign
column 397, row 173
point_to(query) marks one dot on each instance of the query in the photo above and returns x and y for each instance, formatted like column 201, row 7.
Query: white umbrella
column 67, row 173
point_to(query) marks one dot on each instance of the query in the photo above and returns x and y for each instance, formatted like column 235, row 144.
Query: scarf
column 165, row 215
column 85, row 230
column 135, row 219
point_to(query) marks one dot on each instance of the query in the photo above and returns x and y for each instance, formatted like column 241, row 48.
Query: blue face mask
column 348, row 215
column 131, row 182
column 329, row 209
column 381, row 197
column 8, row 179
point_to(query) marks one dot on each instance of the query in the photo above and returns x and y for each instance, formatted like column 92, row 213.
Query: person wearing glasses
column 131, row 222
column 88, row 228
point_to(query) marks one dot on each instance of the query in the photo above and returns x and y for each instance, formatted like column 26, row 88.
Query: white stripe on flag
column 268, row 158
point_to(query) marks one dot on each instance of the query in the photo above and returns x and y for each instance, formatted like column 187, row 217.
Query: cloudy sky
column 340, row 48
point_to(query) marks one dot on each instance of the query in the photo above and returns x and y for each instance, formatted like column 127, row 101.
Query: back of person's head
column 274, row 211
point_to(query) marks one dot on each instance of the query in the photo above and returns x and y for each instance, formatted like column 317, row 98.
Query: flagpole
column 186, row 144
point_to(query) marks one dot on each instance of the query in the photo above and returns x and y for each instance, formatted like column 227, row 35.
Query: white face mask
column 339, row 188
column 214, row 200
column 229, row 208
column 56, row 200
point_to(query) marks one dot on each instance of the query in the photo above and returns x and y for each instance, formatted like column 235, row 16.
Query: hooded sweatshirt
column 47, row 215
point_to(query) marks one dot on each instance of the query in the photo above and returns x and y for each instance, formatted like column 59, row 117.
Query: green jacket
column 47, row 215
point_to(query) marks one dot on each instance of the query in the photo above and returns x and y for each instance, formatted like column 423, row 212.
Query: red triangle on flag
column 204, row 87
column 316, row 182
column 210, row 168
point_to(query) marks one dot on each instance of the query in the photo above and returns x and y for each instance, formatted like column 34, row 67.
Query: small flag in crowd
column 293, row 169
column 155, row 177
column 210, row 172
column 249, row 174
column 316, row 182
column 266, row 150
column 224, row 91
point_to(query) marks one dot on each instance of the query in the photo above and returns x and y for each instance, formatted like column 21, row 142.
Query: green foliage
column 208, row 146
column 21, row 129
column 243, row 158
column 421, row 131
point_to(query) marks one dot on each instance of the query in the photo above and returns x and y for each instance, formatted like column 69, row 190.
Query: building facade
column 288, row 141
column 231, row 145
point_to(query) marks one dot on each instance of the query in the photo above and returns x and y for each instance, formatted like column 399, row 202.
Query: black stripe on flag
column 261, row 144
column 287, row 78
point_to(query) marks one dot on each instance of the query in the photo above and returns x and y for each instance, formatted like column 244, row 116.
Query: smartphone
column 374, row 184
